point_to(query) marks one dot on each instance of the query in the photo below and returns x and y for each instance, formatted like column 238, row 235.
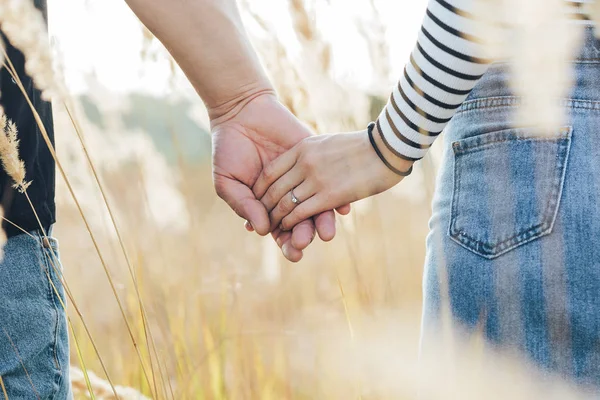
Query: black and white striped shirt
column 446, row 63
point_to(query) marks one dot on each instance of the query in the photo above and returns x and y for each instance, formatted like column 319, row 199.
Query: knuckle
column 308, row 162
column 304, row 145
column 268, row 172
column 290, row 221
column 271, row 197
column 283, row 207
column 320, row 181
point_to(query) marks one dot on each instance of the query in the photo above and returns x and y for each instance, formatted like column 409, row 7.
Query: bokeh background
column 225, row 316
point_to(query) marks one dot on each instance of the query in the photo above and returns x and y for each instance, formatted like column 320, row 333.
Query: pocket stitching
column 496, row 143
column 503, row 136
column 536, row 231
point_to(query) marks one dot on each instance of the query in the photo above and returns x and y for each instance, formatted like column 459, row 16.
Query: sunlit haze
column 103, row 39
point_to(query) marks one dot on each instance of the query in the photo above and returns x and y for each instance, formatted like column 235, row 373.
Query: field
column 227, row 316
column 171, row 298
column 230, row 318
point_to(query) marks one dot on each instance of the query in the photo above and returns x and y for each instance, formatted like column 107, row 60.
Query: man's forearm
column 209, row 42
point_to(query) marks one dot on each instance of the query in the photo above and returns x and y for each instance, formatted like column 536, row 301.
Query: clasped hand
column 261, row 152
column 321, row 173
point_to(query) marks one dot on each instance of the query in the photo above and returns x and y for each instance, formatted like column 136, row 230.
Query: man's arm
column 209, row 42
column 250, row 127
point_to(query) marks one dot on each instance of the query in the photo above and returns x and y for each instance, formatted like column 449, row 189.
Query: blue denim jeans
column 516, row 219
column 34, row 349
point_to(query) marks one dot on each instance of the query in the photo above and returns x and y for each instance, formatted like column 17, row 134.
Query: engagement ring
column 294, row 198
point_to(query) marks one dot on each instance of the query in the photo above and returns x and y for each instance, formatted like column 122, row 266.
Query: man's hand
column 250, row 127
column 247, row 139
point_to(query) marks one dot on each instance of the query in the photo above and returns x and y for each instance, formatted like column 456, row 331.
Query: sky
column 103, row 39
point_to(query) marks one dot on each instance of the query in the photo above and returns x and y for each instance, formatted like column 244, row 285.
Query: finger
column 248, row 226
column 292, row 254
column 241, row 199
column 273, row 171
column 325, row 224
column 286, row 205
column 344, row 210
column 281, row 188
column 313, row 206
column 281, row 237
column 284, row 241
column 303, row 234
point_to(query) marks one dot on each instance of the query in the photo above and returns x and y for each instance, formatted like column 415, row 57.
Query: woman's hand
column 324, row 172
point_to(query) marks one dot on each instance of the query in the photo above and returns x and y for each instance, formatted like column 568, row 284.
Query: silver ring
column 294, row 198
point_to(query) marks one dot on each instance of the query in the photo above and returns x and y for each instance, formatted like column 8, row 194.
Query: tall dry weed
column 15, row 16
column 9, row 154
column 25, row 27
column 3, row 237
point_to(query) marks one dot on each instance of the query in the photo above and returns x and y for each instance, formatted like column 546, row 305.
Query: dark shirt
column 39, row 164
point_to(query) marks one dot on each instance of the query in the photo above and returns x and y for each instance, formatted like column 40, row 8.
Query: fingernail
column 249, row 226
column 278, row 241
column 286, row 250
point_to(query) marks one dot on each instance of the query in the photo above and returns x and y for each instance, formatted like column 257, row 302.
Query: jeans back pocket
column 507, row 188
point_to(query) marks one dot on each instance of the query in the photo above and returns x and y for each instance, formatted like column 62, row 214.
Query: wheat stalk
column 85, row 220
column 147, row 331
column 9, row 154
column 24, row 25
column 3, row 388
column 3, row 237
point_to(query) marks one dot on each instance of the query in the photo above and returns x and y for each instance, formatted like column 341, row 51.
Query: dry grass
column 9, row 154
column 230, row 316
column 25, row 27
column 200, row 309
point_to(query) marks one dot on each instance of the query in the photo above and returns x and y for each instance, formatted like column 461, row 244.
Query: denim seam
column 505, row 246
column 458, row 150
column 528, row 234
column 558, row 198
column 486, row 103
column 51, row 297
column 590, row 60
column 455, row 201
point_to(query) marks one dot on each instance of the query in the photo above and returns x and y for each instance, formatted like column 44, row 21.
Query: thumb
column 241, row 200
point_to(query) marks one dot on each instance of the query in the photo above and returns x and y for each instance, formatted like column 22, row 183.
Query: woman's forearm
column 445, row 65
column 209, row 42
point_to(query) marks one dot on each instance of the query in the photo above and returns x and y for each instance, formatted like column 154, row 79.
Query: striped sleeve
column 446, row 63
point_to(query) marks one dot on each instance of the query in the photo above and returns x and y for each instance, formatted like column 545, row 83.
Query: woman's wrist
column 399, row 164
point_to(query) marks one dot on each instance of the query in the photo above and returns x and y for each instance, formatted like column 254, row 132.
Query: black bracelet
column 380, row 155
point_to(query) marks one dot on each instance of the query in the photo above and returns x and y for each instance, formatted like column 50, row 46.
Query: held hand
column 323, row 172
column 243, row 143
